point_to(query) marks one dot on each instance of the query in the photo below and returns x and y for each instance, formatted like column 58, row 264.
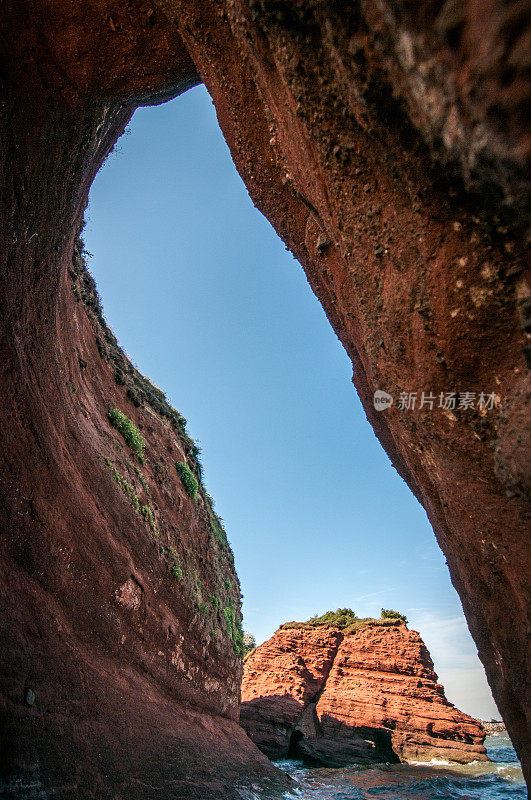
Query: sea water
column 497, row 779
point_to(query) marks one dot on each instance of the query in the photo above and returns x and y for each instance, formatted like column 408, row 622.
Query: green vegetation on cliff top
column 388, row 613
column 347, row 620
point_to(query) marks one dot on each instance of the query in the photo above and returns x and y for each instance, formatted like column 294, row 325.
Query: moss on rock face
column 234, row 627
column 129, row 490
column 172, row 558
column 138, row 389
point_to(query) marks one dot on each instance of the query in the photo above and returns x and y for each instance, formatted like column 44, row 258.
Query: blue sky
column 207, row 302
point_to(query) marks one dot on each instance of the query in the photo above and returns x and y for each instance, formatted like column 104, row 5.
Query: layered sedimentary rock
column 387, row 144
column 372, row 695
column 120, row 646
column 280, row 679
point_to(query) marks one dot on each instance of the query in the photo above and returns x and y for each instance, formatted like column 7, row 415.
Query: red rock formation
column 383, row 678
column 333, row 699
column 387, row 144
column 280, row 679
column 119, row 673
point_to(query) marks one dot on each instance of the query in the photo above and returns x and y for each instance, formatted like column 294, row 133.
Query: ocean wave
column 498, row 779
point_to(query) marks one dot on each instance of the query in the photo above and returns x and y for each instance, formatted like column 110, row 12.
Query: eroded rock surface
column 387, row 144
column 120, row 671
column 369, row 696
column 280, row 679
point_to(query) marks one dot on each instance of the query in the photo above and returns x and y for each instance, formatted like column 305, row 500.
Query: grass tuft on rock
column 172, row 559
column 388, row 613
column 129, row 431
column 188, row 479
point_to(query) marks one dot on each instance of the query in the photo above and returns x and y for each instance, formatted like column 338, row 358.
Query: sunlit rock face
column 334, row 698
column 387, row 145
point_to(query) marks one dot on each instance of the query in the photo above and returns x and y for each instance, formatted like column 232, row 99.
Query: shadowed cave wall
column 387, row 145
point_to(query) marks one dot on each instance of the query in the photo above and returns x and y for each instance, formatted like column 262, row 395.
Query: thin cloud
column 456, row 661
column 387, row 590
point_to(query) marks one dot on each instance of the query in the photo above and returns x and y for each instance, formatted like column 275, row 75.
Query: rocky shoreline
column 494, row 727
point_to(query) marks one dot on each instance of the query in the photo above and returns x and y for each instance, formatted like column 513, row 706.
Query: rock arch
column 386, row 143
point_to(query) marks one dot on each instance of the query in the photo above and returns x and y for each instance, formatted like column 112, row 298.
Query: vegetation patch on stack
column 388, row 613
column 346, row 620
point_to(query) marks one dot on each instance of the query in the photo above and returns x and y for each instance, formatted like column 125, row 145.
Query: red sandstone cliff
column 388, row 145
column 371, row 695
column 120, row 643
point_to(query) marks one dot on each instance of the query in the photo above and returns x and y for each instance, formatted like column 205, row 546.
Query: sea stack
column 363, row 694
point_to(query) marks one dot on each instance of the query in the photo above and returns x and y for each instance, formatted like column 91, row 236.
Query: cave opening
column 294, row 740
column 201, row 291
